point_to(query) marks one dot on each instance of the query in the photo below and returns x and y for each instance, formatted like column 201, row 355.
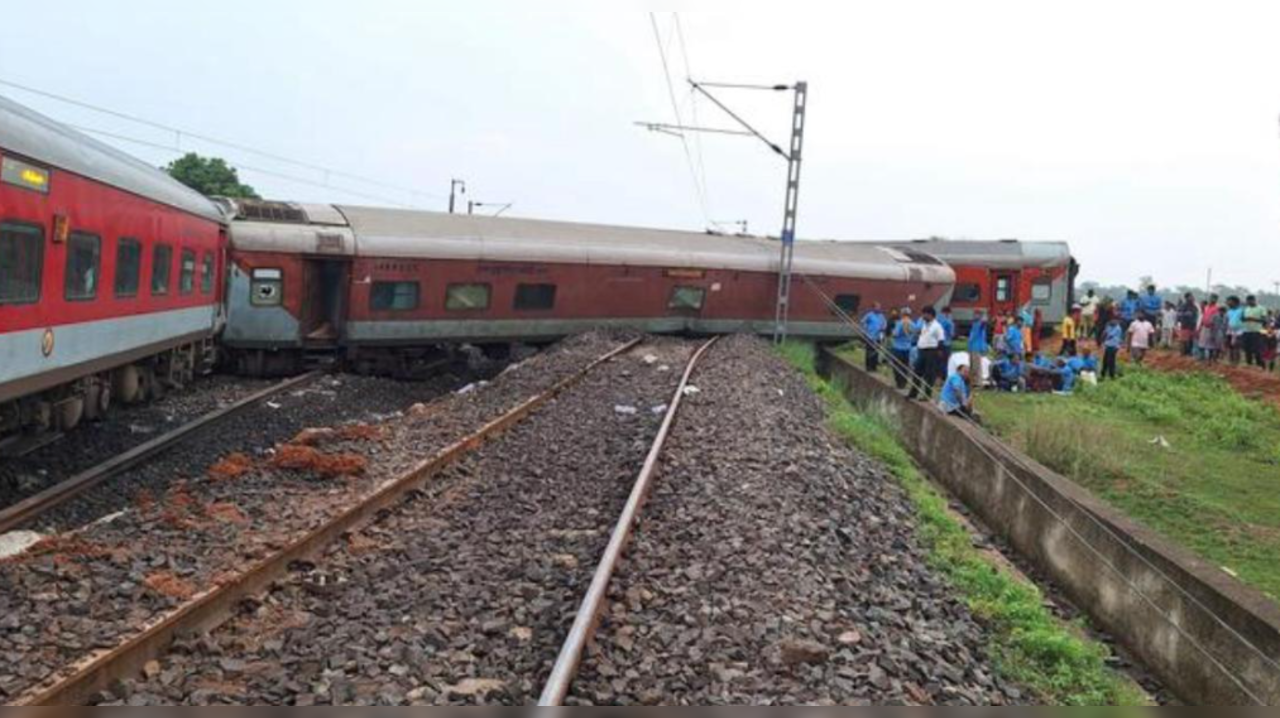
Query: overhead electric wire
column 693, row 99
column 239, row 166
column 675, row 107
column 917, row 383
column 180, row 133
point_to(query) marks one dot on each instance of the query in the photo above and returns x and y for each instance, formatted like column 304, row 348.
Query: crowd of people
column 1005, row 352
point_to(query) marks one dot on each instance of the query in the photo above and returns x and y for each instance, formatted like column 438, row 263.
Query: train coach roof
column 34, row 136
column 407, row 233
column 998, row 254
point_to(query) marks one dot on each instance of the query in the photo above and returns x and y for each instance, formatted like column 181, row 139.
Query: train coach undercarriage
column 91, row 398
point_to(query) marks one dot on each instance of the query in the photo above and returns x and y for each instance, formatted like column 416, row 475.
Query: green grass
column 1213, row 490
column 1031, row 647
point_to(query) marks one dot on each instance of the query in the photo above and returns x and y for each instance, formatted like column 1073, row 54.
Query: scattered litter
column 275, row 406
column 16, row 543
column 141, row 429
column 626, row 410
column 782, row 393
column 650, row 359
column 470, row 388
column 664, row 368
column 660, row 409
column 1162, row 442
column 1230, row 573
column 110, row 518
column 691, row 390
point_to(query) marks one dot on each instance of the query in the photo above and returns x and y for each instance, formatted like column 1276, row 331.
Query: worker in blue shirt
column 1083, row 362
column 980, row 334
column 948, row 323
column 957, row 399
column 903, row 341
column 1129, row 308
column 1010, row 374
column 1013, row 339
column 1112, row 341
column 1152, row 304
column 874, row 326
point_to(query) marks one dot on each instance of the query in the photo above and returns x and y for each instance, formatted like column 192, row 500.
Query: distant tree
column 210, row 176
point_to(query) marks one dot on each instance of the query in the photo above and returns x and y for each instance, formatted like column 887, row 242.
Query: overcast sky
column 1145, row 133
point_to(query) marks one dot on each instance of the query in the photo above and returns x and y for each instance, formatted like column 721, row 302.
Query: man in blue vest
column 874, row 326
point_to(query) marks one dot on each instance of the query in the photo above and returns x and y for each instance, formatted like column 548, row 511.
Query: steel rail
column 588, row 618
column 23, row 512
column 215, row 606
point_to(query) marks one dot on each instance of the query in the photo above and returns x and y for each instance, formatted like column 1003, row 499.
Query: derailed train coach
column 1008, row 276
column 385, row 287
column 109, row 276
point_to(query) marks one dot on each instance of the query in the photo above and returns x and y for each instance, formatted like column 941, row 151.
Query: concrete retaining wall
column 1211, row 640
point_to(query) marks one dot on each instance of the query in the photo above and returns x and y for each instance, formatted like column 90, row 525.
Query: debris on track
column 58, row 606
column 462, row 597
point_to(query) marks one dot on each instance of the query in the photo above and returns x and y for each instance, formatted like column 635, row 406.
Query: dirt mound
column 305, row 458
column 1249, row 381
column 232, row 467
column 166, row 584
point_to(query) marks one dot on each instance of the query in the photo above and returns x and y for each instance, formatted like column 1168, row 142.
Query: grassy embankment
column 1032, row 648
column 1184, row 454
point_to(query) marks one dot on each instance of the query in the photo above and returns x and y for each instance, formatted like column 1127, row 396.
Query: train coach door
column 1004, row 293
column 324, row 314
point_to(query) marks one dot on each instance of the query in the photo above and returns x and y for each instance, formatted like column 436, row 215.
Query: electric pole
column 794, row 156
column 794, row 160
column 454, row 185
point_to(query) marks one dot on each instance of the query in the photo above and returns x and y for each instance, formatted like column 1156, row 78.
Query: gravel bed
column 775, row 566
column 201, row 514
column 462, row 597
column 123, row 429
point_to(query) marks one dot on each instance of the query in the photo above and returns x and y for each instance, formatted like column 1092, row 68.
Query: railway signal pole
column 794, row 155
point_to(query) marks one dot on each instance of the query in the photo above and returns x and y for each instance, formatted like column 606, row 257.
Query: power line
column 675, row 106
column 693, row 97
column 279, row 175
column 180, row 133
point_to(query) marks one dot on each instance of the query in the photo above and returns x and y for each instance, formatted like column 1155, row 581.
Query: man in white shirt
column 1089, row 314
column 1141, row 333
column 933, row 338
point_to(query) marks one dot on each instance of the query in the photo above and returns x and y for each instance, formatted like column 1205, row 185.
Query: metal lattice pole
column 794, row 163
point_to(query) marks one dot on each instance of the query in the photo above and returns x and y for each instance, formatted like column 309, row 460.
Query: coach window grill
column 161, row 269
column 467, row 297
column 21, row 261
column 128, row 267
column 84, row 260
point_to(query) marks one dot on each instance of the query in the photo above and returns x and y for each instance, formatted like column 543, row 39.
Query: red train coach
column 108, row 275
column 383, row 283
column 1007, row 276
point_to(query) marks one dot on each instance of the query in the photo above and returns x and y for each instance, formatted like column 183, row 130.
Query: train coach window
column 206, row 274
column 1004, row 289
column 21, row 261
column 535, row 297
column 467, row 297
column 688, row 298
column 1042, row 292
column 395, row 296
column 161, row 269
column 128, row 267
column 84, row 262
column 849, row 303
column 968, row 294
column 187, row 278
column 267, row 288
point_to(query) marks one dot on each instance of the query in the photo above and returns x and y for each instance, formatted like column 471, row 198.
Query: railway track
column 28, row 510
column 85, row 680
